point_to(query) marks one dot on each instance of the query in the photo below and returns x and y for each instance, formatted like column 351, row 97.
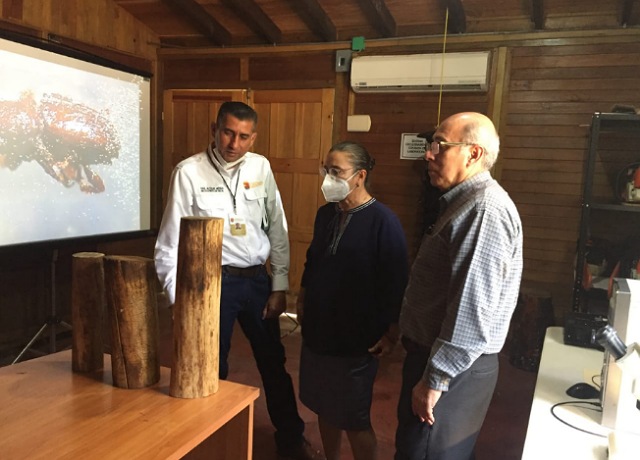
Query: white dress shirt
column 204, row 185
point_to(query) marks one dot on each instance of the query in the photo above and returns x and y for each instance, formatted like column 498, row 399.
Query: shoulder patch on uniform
column 248, row 185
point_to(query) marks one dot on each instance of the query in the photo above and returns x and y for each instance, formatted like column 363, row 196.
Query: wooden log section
column 196, row 315
column 87, row 311
column 130, row 283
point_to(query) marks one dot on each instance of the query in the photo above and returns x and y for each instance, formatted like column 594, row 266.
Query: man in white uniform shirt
column 229, row 182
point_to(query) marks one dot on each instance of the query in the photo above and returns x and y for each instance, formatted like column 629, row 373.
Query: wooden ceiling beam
column 380, row 16
column 199, row 16
column 537, row 14
column 316, row 18
column 627, row 8
column 254, row 16
column 457, row 17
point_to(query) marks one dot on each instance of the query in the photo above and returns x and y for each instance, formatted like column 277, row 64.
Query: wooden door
column 294, row 132
column 187, row 119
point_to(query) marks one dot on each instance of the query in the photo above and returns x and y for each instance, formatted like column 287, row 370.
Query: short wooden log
column 87, row 311
column 196, row 315
column 130, row 283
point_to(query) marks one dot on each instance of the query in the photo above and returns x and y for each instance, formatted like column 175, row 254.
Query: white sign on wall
column 412, row 147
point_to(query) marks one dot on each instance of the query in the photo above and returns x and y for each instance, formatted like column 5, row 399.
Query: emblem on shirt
column 218, row 189
column 247, row 185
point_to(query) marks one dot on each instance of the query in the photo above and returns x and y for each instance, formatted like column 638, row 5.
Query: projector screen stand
column 53, row 321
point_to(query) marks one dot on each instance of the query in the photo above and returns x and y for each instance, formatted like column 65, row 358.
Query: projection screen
column 74, row 147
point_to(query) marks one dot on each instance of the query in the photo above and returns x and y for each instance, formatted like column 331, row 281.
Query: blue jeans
column 459, row 412
column 245, row 299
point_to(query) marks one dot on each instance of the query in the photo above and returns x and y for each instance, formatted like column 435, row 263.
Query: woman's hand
column 387, row 342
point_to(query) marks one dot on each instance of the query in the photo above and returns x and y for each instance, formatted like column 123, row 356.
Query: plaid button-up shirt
column 465, row 280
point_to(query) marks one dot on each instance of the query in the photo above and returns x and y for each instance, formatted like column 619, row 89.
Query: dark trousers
column 459, row 412
column 244, row 298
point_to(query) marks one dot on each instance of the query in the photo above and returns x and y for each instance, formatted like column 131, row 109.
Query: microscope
column 620, row 392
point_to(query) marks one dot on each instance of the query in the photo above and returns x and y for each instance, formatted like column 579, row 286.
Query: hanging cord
column 444, row 47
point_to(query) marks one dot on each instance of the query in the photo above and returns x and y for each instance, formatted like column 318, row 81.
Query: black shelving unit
column 613, row 125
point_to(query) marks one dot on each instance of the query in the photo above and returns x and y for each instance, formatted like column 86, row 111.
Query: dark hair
column 240, row 110
column 358, row 157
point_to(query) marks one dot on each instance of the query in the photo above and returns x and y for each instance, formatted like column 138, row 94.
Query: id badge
column 237, row 225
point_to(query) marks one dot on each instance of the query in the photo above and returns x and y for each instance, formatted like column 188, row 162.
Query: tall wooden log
column 133, row 315
column 87, row 311
column 196, row 315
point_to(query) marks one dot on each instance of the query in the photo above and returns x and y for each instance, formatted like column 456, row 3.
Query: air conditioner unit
column 420, row 72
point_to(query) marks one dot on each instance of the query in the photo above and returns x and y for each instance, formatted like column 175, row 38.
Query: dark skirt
column 338, row 388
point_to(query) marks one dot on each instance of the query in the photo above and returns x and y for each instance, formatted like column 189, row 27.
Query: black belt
column 244, row 272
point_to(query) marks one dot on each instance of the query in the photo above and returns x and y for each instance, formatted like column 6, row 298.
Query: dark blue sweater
column 354, row 280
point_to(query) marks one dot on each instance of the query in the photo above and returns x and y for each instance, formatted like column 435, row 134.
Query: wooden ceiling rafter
column 316, row 18
column 537, row 14
column 457, row 17
column 627, row 9
column 256, row 19
column 380, row 16
column 201, row 18
column 230, row 23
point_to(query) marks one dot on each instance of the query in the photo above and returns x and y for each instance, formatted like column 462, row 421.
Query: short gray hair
column 485, row 135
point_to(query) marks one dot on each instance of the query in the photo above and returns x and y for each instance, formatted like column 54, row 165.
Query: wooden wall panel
column 304, row 67
column 192, row 73
column 98, row 22
column 23, row 307
column 399, row 183
column 212, row 71
column 554, row 91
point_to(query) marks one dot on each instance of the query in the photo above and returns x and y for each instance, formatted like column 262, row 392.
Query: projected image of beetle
column 62, row 136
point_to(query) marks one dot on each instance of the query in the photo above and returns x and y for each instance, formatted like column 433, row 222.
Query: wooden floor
column 502, row 436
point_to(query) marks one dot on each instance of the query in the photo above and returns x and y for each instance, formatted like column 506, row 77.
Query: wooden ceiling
column 225, row 23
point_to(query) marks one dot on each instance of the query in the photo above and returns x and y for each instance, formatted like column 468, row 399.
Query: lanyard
column 235, row 192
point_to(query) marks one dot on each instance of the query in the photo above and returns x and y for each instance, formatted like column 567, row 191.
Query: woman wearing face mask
column 352, row 288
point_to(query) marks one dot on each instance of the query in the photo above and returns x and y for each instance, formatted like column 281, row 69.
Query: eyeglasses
column 435, row 146
column 333, row 171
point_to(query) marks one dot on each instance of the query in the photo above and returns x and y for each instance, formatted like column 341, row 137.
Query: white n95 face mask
column 335, row 189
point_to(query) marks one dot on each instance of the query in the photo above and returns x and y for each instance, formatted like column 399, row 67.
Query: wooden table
column 47, row 411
